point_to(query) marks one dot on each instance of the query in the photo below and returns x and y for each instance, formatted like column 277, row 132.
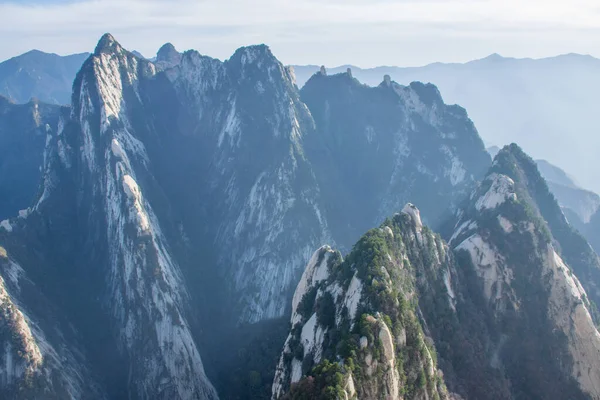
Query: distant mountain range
column 35, row 74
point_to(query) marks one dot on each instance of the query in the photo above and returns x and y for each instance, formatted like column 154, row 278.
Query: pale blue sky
column 331, row 32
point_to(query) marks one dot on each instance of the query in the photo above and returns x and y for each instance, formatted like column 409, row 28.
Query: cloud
column 297, row 29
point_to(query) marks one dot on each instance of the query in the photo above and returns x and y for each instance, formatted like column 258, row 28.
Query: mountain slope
column 23, row 132
column 581, row 207
column 92, row 199
column 35, row 74
column 39, row 359
column 377, row 148
column 361, row 311
column 528, row 259
column 502, row 315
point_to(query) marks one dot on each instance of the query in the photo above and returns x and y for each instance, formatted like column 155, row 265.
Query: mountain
column 556, row 175
column 498, row 314
column 377, row 148
column 545, row 105
column 23, row 132
column 356, row 330
column 529, row 259
column 95, row 241
column 181, row 201
column 39, row 358
column 44, row 76
column 167, row 56
column 579, row 205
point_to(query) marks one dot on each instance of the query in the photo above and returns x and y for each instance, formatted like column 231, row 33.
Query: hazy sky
column 330, row 32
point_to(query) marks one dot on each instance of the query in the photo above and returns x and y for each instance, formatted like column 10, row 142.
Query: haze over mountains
column 47, row 77
column 546, row 105
column 180, row 244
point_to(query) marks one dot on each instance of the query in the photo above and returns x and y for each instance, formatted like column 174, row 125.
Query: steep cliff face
column 38, row 357
column 161, row 181
column 97, row 192
column 357, row 327
column 501, row 311
column 262, row 202
column 238, row 167
column 23, row 133
column 39, row 75
column 377, row 148
column 515, row 238
column 182, row 198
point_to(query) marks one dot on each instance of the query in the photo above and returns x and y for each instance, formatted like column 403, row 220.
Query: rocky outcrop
column 38, row 357
column 540, row 311
column 502, row 315
column 38, row 75
column 361, row 313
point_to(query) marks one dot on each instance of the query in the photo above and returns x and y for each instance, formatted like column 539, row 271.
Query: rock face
column 38, row 359
column 35, row 74
column 363, row 312
column 507, row 311
column 23, row 132
column 527, row 260
column 377, row 148
column 96, row 197
column 153, row 186
column 198, row 125
column 182, row 200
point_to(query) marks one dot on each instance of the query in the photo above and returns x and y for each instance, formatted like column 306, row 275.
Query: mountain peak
column 167, row 52
column 493, row 57
column 252, row 54
column 107, row 44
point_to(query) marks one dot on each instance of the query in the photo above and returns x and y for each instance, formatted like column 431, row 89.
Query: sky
column 365, row 33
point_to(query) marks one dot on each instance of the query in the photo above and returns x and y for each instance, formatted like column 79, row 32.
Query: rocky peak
column 107, row 44
column 101, row 154
column 352, row 320
column 168, row 56
column 532, row 189
column 520, row 247
column 258, row 66
column 253, row 55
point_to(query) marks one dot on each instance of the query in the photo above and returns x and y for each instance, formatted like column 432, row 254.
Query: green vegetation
column 388, row 266
column 325, row 382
